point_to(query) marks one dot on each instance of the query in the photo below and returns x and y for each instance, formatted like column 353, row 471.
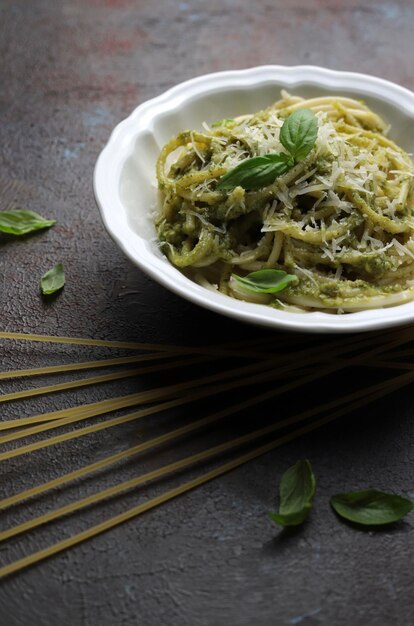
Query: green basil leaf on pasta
column 266, row 281
column 53, row 280
column 298, row 133
column 256, row 172
column 296, row 491
column 371, row 507
column 22, row 222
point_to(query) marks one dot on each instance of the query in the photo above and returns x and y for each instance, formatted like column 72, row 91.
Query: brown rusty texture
column 69, row 71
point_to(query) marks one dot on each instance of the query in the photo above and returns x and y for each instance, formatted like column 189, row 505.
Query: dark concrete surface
column 69, row 71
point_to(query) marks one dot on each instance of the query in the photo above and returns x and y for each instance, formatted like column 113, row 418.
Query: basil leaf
column 371, row 507
column 226, row 121
column 266, row 281
column 256, row 172
column 297, row 490
column 53, row 280
column 22, row 222
column 298, row 133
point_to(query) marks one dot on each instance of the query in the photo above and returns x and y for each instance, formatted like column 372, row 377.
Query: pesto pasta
column 335, row 212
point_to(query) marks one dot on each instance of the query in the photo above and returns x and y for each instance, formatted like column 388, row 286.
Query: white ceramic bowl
column 125, row 182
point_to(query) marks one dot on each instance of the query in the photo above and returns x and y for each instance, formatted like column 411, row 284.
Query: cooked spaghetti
column 340, row 220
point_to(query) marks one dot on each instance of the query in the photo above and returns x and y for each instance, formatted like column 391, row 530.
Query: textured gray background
column 69, row 71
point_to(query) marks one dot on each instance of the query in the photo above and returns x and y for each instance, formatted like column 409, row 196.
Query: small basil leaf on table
column 266, row 281
column 298, row 133
column 53, row 280
column 371, row 507
column 256, row 172
column 296, row 490
column 22, row 222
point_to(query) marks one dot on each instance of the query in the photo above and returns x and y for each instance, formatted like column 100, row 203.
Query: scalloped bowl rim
column 108, row 170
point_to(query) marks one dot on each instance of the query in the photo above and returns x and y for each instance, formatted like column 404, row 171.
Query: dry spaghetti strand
column 84, row 365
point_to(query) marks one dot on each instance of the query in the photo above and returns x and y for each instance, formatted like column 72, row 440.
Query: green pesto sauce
column 339, row 293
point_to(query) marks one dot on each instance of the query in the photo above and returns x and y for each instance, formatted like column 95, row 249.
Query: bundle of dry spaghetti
column 246, row 371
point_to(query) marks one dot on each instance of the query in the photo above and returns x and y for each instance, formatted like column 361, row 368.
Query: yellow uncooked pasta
column 340, row 220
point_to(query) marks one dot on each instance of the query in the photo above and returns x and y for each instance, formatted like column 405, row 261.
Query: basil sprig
column 297, row 489
column 297, row 135
column 371, row 507
column 266, row 281
column 53, row 280
column 256, row 172
column 22, row 222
